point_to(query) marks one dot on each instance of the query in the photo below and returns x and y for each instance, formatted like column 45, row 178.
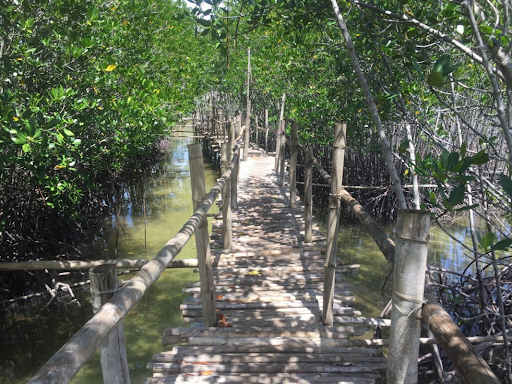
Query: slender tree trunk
column 370, row 101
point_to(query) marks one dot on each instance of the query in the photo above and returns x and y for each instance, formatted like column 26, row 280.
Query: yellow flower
column 15, row 118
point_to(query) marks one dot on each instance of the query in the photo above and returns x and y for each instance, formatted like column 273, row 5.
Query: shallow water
column 32, row 334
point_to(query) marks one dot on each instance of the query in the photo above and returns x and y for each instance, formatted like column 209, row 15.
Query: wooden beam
column 67, row 265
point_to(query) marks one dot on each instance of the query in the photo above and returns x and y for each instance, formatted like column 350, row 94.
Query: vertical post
column 282, row 153
column 248, row 109
column 408, row 288
column 293, row 164
column 266, row 130
column 234, row 176
column 226, row 199
column 280, row 127
column 214, row 118
column 308, row 195
column 204, row 259
column 114, row 363
column 338, row 154
column 257, row 131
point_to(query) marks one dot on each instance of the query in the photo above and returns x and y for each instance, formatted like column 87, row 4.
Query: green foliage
column 88, row 88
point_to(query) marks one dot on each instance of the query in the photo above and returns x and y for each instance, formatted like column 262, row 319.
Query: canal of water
column 31, row 332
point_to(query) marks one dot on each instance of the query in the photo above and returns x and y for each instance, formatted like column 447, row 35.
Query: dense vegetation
column 88, row 88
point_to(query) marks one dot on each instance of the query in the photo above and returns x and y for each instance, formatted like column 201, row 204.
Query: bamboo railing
column 65, row 364
column 409, row 305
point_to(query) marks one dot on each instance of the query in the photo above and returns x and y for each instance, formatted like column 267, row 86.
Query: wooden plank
column 266, row 368
column 281, row 378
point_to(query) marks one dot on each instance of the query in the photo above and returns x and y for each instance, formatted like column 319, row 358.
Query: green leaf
column 467, row 208
column 506, row 183
column 463, row 148
column 68, row 132
column 404, row 146
column 480, row 158
column 486, row 241
column 435, row 79
column 502, row 245
column 26, row 147
column 457, row 195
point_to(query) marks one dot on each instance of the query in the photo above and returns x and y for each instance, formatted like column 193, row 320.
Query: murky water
column 32, row 334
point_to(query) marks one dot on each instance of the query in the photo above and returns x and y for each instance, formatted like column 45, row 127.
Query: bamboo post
column 280, row 127
column 114, row 363
column 248, row 109
column 226, row 200
column 293, row 164
column 340, row 132
column 266, row 130
column 278, row 146
column 204, row 259
column 232, row 135
column 308, row 195
column 282, row 154
column 462, row 354
column 257, row 131
column 408, row 287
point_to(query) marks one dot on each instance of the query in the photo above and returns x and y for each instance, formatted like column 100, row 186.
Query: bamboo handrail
column 385, row 244
column 66, row 265
column 65, row 364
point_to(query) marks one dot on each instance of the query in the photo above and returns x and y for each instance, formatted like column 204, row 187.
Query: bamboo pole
column 308, row 196
column 114, row 363
column 67, row 265
column 232, row 135
column 282, row 153
column 248, row 109
column 226, row 200
column 257, row 131
column 465, row 358
column 333, row 223
column 266, row 130
column 204, row 259
column 408, row 288
column 278, row 136
column 293, row 164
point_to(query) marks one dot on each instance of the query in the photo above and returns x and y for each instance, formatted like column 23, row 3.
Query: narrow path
column 269, row 303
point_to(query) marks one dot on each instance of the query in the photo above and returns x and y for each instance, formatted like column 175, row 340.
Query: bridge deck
column 269, row 303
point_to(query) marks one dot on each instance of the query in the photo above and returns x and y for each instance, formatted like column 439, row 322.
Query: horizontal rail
column 66, row 265
column 385, row 244
column 65, row 364
column 465, row 358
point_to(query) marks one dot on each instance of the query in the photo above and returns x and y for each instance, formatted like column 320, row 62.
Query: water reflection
column 32, row 334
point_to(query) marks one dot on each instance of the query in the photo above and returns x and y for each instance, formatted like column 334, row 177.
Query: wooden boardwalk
column 269, row 303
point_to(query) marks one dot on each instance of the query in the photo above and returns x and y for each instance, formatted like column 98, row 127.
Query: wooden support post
column 462, row 354
column 234, row 175
column 308, row 195
column 204, row 259
column 266, row 130
column 293, row 164
column 338, row 155
column 408, row 288
column 114, row 363
column 278, row 146
column 282, row 153
column 226, row 200
column 248, row 109
column 280, row 126
column 257, row 131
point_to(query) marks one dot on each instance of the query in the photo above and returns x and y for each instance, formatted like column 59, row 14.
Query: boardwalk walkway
column 269, row 303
